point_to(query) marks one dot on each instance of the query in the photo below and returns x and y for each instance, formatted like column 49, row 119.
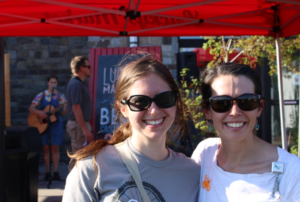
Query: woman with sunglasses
column 239, row 166
column 147, row 96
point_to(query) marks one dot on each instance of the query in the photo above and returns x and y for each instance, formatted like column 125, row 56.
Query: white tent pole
column 299, row 124
column 280, row 91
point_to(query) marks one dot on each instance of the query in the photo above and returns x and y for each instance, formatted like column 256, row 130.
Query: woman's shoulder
column 40, row 94
column 205, row 148
column 290, row 160
column 109, row 155
column 289, row 181
column 208, row 144
column 85, row 164
column 183, row 161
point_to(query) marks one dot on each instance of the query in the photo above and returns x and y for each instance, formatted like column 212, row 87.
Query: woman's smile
column 155, row 122
column 235, row 125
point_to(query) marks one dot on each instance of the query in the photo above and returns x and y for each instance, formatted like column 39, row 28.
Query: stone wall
column 32, row 60
column 169, row 48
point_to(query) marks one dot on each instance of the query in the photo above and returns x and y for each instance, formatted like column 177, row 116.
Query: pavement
column 52, row 192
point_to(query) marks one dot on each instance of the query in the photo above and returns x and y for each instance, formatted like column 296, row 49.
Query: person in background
column 239, row 166
column 39, row 103
column 79, row 104
column 148, row 97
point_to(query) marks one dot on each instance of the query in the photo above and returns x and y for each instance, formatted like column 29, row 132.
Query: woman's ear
column 260, row 107
column 123, row 109
column 207, row 113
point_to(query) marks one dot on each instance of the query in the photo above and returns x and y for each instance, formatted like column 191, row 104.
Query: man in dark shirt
column 79, row 104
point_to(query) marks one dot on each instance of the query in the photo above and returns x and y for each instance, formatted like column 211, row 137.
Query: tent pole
column 299, row 124
column 280, row 91
column 2, row 126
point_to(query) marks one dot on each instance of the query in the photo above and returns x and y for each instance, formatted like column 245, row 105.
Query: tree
column 192, row 98
column 255, row 48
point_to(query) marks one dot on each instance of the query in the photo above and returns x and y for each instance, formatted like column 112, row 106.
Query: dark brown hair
column 52, row 77
column 233, row 69
column 129, row 73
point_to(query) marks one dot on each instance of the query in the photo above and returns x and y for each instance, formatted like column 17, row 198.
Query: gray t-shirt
column 78, row 93
column 175, row 179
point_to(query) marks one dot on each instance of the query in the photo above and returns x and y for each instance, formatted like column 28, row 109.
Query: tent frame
column 3, row 179
column 101, row 11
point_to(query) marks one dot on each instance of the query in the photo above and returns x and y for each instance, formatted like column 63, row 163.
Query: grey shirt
column 78, row 93
column 175, row 179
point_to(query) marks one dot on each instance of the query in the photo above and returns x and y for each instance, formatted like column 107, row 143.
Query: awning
column 148, row 17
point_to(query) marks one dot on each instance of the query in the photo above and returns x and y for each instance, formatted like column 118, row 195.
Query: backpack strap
column 131, row 165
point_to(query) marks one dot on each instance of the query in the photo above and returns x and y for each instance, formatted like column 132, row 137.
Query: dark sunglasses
column 142, row 102
column 246, row 102
column 88, row 66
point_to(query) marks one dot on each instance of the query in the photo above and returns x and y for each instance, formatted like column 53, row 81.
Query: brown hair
column 210, row 74
column 129, row 73
column 76, row 63
column 52, row 77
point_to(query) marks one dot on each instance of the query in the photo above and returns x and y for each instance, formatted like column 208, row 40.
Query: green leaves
column 192, row 98
column 254, row 48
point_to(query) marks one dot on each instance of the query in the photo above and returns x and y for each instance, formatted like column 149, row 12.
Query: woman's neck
column 232, row 155
column 152, row 148
column 250, row 156
column 54, row 91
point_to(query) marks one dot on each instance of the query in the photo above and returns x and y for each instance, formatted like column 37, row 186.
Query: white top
column 234, row 187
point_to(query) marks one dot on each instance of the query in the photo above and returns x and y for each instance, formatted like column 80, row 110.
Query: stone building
column 33, row 59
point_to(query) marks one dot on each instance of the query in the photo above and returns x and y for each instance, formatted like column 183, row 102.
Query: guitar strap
column 43, row 97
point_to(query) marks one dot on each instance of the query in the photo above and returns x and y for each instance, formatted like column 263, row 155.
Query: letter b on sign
column 104, row 116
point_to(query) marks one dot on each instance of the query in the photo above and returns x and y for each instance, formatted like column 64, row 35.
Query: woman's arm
column 32, row 109
column 63, row 104
column 65, row 110
column 80, row 182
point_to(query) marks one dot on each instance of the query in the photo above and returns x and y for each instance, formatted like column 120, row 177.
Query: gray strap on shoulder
column 130, row 162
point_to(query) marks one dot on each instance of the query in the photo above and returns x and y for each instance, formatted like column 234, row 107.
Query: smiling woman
column 239, row 166
column 147, row 97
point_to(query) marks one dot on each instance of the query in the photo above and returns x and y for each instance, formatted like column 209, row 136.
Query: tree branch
column 237, row 56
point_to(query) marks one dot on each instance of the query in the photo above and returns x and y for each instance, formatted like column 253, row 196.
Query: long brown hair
column 130, row 72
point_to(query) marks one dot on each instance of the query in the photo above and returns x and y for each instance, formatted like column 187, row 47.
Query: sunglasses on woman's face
column 246, row 102
column 142, row 102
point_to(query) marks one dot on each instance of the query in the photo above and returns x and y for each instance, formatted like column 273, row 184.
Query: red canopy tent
column 277, row 18
column 148, row 18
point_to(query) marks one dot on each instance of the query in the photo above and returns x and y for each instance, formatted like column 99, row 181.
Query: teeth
column 154, row 122
column 234, row 125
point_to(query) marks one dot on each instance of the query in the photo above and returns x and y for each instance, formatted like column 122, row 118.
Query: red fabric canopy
column 148, row 18
column 204, row 57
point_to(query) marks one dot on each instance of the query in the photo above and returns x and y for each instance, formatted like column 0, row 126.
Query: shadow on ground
column 52, row 192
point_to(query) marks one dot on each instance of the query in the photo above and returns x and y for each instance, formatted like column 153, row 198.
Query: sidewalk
column 56, row 188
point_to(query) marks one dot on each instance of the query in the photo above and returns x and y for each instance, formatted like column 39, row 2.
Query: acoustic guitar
column 35, row 121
